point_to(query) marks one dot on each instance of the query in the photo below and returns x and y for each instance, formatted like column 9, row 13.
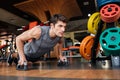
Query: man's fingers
column 21, row 62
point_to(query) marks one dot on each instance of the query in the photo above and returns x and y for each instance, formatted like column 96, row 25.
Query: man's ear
column 51, row 24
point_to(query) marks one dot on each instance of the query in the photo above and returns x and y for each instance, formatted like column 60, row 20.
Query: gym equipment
column 93, row 22
column 3, row 51
column 110, row 13
column 9, row 60
column 105, row 64
column 22, row 67
column 110, row 41
column 12, row 50
column 74, row 49
column 115, row 61
column 85, row 47
column 63, row 63
column 67, row 42
column 33, row 24
column 118, row 23
column 101, row 3
column 65, row 52
column 3, row 46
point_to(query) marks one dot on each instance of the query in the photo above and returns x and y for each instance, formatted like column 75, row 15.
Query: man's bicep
column 25, row 36
column 29, row 34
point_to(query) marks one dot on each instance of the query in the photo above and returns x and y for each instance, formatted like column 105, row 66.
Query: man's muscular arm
column 29, row 34
column 60, row 50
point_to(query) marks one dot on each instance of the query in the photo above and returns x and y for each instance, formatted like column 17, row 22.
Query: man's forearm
column 20, row 48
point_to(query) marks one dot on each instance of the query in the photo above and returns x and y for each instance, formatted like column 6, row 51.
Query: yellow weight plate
column 93, row 22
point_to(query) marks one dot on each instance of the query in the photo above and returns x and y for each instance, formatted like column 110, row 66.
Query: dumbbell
column 23, row 67
column 63, row 63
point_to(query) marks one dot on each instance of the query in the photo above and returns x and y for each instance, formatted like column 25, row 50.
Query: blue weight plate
column 101, row 3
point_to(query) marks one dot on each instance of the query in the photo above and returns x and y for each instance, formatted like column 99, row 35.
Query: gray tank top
column 43, row 45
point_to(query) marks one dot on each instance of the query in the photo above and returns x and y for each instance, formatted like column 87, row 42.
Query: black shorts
column 31, row 59
column 34, row 59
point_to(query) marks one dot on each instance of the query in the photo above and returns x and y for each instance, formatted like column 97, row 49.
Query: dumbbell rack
column 96, row 42
column 109, row 24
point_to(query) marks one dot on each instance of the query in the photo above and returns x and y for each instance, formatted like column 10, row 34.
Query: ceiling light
column 89, row 15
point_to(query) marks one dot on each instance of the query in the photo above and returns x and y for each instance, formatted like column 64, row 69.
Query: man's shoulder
column 44, row 27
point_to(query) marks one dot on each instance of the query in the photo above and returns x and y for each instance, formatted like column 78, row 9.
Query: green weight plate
column 110, row 41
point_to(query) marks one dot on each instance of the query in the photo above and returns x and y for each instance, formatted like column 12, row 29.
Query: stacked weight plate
column 110, row 37
column 109, row 12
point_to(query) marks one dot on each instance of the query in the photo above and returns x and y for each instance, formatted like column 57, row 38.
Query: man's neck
column 52, row 34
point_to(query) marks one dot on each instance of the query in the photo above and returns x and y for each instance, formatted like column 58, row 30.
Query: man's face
column 59, row 28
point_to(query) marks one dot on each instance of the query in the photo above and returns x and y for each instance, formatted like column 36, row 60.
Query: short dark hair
column 58, row 17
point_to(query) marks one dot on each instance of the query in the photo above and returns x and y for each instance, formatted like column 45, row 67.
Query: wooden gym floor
column 48, row 70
